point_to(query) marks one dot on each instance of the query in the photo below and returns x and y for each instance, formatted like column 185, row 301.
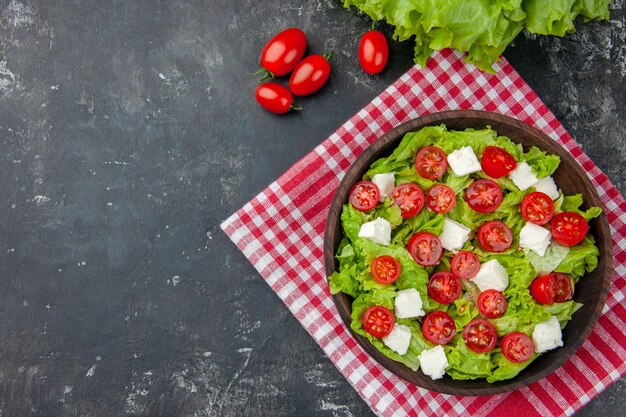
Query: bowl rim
column 486, row 119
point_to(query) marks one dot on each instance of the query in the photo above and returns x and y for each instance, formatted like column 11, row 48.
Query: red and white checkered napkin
column 281, row 232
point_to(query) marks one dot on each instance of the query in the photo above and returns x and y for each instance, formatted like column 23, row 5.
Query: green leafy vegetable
column 482, row 28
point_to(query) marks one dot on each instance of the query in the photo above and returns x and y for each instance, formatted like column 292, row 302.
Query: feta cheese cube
column 434, row 362
column 453, row 235
column 547, row 335
column 535, row 238
column 408, row 304
column 399, row 339
column 464, row 161
column 547, row 185
column 385, row 183
column 491, row 275
column 523, row 176
column 378, row 231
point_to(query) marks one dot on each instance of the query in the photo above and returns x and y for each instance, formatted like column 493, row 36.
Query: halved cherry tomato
column 425, row 248
column 310, row 75
column 438, row 327
column 555, row 287
column 385, row 269
column 517, row 347
column 440, row 198
column 492, row 304
column 364, row 195
column 431, row 162
column 444, row 287
column 537, row 208
column 378, row 321
column 373, row 52
column 495, row 236
column 275, row 98
column 480, row 335
column 497, row 162
column 568, row 228
column 409, row 197
column 484, row 196
column 465, row 265
column 282, row 53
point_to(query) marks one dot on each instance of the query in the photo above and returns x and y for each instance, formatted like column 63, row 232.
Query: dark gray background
column 129, row 131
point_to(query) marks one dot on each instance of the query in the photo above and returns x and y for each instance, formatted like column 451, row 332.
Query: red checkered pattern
column 281, row 232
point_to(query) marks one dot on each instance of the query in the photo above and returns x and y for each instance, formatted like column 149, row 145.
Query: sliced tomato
column 385, row 269
column 517, row 347
column 568, row 228
column 465, row 265
column 438, row 327
column 431, row 162
column 440, row 198
column 495, row 236
column 480, row 335
column 492, row 304
column 364, row 195
column 551, row 288
column 425, row 248
column 484, row 196
column 378, row 321
column 537, row 208
column 409, row 197
column 497, row 162
column 444, row 287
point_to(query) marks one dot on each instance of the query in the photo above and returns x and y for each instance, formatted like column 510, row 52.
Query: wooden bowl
column 591, row 291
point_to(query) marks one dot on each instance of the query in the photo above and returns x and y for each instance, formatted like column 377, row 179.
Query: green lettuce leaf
column 542, row 163
column 507, row 369
column 580, row 259
column 466, row 364
column 572, row 203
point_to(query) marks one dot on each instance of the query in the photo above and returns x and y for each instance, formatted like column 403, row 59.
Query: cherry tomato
column 282, row 53
column 385, row 269
column 497, row 162
column 484, row 196
column 310, row 75
column 569, row 229
column 425, row 248
column 495, row 236
column 537, row 208
column 444, row 287
column 409, row 197
column 517, row 347
column 480, row 335
column 438, row 327
column 378, row 321
column 440, row 198
column 492, row 304
column 431, row 162
column 373, row 52
column 275, row 98
column 465, row 265
column 364, row 195
column 551, row 288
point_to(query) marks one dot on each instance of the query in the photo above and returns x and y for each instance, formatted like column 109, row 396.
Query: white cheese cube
column 408, row 304
column 434, row 362
column 547, row 186
column 453, row 235
column 399, row 339
column 535, row 238
column 491, row 275
column 464, row 161
column 385, row 183
column 378, row 231
column 547, row 335
column 523, row 176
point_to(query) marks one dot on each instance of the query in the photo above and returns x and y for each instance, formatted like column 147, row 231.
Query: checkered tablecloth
column 281, row 232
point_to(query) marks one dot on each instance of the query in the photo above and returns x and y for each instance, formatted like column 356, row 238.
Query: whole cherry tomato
column 275, row 98
column 310, row 74
column 282, row 53
column 373, row 52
